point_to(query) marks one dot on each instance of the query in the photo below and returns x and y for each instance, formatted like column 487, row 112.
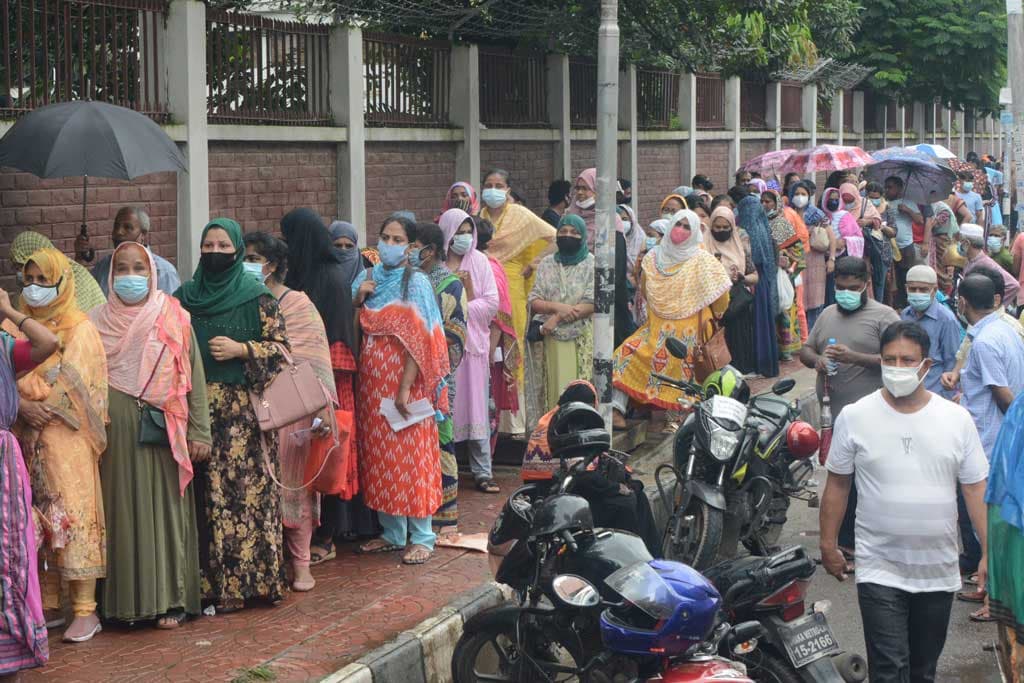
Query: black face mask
column 568, row 245
column 722, row 235
column 832, row 204
column 215, row 263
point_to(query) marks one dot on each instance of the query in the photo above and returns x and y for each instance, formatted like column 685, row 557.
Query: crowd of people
column 152, row 487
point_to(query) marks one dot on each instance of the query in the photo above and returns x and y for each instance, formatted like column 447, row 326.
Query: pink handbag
column 295, row 393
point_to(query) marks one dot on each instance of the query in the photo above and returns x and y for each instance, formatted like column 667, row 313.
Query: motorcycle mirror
column 676, row 347
column 783, row 386
column 575, row 591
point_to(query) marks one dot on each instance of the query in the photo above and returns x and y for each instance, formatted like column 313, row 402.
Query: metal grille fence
column 582, row 92
column 710, row 101
column 657, row 98
column 791, row 107
column 261, row 70
column 513, row 88
column 753, row 105
column 105, row 50
column 407, row 80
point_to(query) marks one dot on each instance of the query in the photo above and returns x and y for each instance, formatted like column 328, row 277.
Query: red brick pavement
column 359, row 603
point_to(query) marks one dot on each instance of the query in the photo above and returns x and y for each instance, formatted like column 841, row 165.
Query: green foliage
column 951, row 49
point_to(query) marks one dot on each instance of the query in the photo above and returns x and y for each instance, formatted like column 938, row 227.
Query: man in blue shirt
column 937, row 320
column 975, row 204
column 131, row 224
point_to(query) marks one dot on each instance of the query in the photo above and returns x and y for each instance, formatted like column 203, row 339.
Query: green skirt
column 1005, row 572
column 152, row 542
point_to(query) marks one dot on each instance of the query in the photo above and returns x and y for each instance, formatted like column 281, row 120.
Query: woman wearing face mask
column 820, row 263
column 403, row 358
column 61, row 426
column 521, row 239
column 751, row 217
column 945, row 229
column 266, row 259
column 671, row 205
column 654, row 234
column 792, row 261
column 152, row 357
column 88, row 294
column 241, row 336
column 562, row 305
column 635, row 239
column 726, row 245
column 462, row 196
column 684, row 287
column 470, row 406
column 320, row 272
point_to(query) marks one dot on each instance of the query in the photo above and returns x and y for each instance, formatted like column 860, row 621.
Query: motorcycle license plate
column 807, row 639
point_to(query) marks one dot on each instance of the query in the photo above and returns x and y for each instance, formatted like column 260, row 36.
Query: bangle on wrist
column 23, row 320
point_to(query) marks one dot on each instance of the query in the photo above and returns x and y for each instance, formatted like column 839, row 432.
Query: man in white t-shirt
column 908, row 449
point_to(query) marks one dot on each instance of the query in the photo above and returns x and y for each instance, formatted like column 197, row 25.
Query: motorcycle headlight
column 723, row 443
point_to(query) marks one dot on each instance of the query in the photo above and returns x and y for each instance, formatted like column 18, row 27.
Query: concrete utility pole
column 607, row 163
column 1015, row 67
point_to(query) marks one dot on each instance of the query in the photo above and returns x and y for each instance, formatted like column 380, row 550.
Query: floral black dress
column 239, row 507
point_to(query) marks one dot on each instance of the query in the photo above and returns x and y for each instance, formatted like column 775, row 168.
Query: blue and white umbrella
column 924, row 181
column 898, row 151
column 937, row 151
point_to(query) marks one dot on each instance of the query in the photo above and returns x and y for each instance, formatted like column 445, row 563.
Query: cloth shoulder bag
column 295, row 393
column 152, row 422
column 713, row 353
column 819, row 238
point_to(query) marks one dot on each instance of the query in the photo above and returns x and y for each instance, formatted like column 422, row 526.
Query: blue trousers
column 399, row 530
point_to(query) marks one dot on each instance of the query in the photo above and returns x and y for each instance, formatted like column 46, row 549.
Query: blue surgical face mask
column 919, row 301
column 849, row 300
column 832, row 204
column 38, row 296
column 877, row 201
column 131, row 289
column 995, row 244
column 391, row 254
column 493, row 197
column 651, row 243
column 255, row 269
column 414, row 257
column 461, row 244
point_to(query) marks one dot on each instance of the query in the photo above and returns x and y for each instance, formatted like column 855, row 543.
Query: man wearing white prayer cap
column 972, row 246
column 937, row 320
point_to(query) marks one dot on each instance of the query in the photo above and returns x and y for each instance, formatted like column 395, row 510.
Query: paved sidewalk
column 359, row 603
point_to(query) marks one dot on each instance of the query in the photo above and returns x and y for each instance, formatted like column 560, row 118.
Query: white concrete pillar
column 901, row 114
column 961, row 118
column 558, row 113
column 773, row 114
column 184, row 42
column 809, row 111
column 346, row 61
column 464, row 108
column 732, row 120
column 947, row 121
column 628, row 118
column 858, row 116
column 688, row 117
column 920, row 122
column 837, row 119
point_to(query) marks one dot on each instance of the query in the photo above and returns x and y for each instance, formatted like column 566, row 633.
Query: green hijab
column 581, row 227
column 224, row 304
column 951, row 227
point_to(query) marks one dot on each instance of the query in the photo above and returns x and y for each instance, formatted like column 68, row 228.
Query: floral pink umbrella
column 769, row 163
column 826, row 158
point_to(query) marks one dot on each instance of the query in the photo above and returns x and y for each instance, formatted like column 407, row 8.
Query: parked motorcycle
column 737, row 461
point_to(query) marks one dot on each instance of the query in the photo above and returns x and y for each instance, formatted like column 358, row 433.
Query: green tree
column 951, row 49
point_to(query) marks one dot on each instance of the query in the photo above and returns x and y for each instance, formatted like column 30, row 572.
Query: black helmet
column 577, row 428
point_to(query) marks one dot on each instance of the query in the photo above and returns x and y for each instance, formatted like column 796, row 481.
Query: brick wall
column 406, row 176
column 713, row 161
column 530, row 163
column 584, row 156
column 54, row 208
column 257, row 183
column 660, row 173
column 752, row 148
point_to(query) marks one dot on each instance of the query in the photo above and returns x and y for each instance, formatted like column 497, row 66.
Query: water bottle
column 833, row 366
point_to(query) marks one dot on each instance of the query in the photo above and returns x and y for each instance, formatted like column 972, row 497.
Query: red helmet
column 802, row 439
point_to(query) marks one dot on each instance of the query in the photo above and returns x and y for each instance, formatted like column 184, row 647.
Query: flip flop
column 170, row 621
column 981, row 618
column 316, row 557
column 971, row 596
column 366, row 549
column 408, row 559
column 488, row 486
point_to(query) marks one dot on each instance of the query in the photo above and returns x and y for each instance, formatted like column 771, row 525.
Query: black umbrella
column 86, row 138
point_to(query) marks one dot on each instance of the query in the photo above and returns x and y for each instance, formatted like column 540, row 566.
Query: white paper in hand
column 418, row 411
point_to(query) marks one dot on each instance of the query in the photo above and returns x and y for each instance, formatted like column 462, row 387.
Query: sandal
column 488, row 486
column 321, row 553
column 971, row 596
column 231, row 606
column 377, row 546
column 981, row 616
column 170, row 621
column 417, row 554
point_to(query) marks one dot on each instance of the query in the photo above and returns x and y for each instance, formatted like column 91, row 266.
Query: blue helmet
column 669, row 607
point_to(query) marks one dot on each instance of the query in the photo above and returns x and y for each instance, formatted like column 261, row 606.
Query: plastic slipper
column 971, row 596
column 408, row 559
column 981, row 617
column 367, row 549
column 488, row 486
column 316, row 557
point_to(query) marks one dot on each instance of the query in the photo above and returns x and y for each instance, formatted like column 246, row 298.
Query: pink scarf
column 844, row 224
column 150, row 340
column 589, row 216
column 474, row 202
column 485, row 292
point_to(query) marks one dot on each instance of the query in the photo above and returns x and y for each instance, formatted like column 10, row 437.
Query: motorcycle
column 797, row 643
column 736, row 465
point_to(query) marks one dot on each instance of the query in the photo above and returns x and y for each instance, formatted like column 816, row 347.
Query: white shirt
column 906, row 467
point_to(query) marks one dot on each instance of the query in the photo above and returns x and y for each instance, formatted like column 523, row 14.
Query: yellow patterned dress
column 679, row 299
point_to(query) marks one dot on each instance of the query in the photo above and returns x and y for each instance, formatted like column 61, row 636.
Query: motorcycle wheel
column 492, row 654
column 764, row 665
column 700, row 541
column 772, row 531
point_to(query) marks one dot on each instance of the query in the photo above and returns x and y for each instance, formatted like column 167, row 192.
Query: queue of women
column 140, row 483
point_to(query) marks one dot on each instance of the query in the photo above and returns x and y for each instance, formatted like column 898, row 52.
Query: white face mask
column 585, row 203
column 799, row 200
column 901, row 382
column 38, row 296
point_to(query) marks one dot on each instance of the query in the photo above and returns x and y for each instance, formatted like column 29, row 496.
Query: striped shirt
column 906, row 467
